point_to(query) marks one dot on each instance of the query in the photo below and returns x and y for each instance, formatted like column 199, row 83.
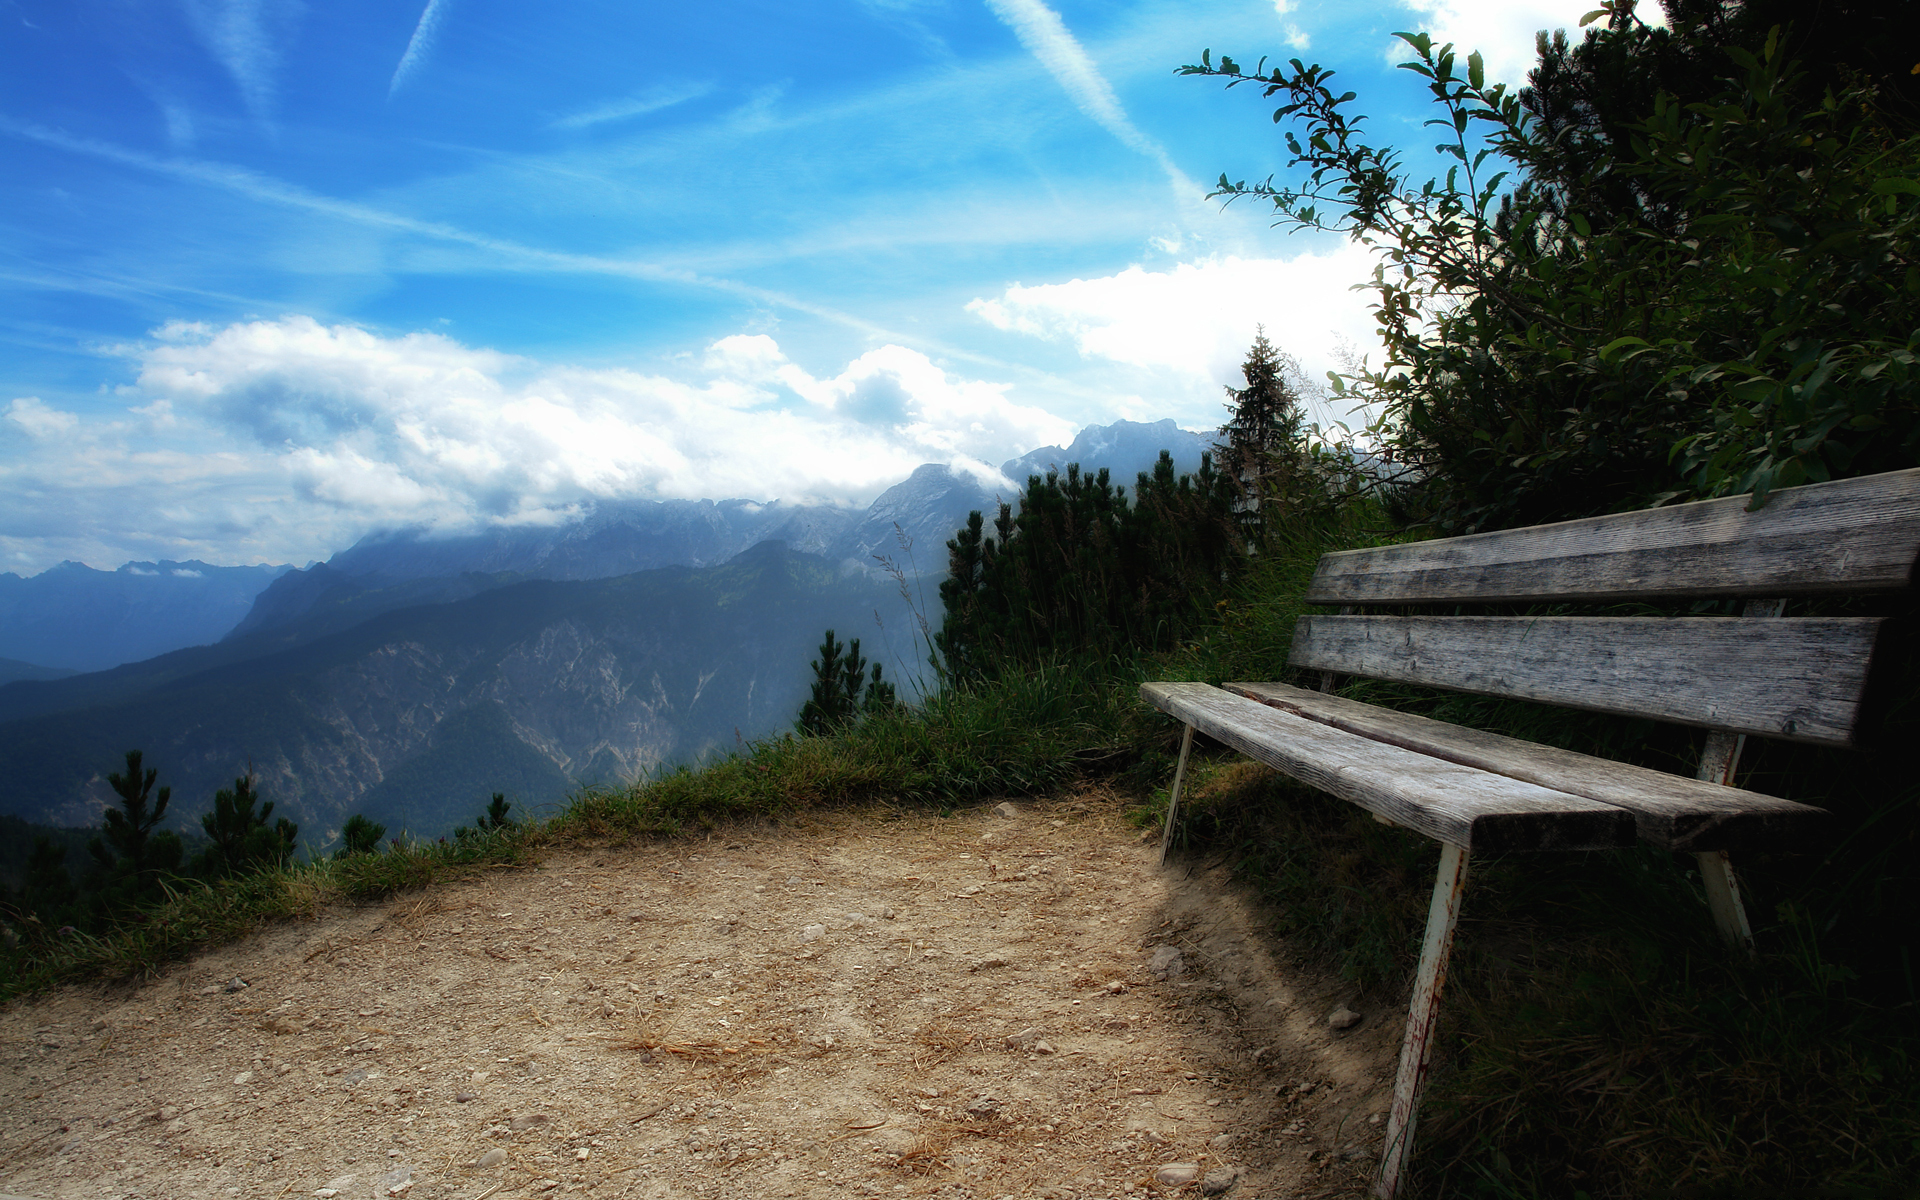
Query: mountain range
column 409, row 676
column 74, row 618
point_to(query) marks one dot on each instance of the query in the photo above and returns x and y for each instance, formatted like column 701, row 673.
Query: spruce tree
column 1263, row 433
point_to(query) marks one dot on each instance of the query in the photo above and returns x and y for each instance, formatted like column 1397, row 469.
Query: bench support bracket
column 1723, row 898
column 1416, row 1048
column 1173, row 797
column 1719, row 759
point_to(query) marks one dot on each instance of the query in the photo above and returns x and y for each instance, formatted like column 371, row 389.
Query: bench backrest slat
column 1853, row 535
column 1795, row 678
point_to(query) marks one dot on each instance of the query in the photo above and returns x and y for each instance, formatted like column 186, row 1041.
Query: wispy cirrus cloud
column 243, row 36
column 505, row 251
column 420, row 44
column 650, row 101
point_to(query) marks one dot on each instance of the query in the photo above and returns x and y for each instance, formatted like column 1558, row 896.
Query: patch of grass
column 197, row 915
column 1621, row 1066
column 1023, row 734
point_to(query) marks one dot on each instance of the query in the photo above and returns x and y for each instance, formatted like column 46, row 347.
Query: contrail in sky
column 1047, row 38
column 419, row 44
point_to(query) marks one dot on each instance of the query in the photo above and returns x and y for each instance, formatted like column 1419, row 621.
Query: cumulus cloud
column 1503, row 31
column 1194, row 322
column 288, row 439
column 1296, row 36
column 33, row 415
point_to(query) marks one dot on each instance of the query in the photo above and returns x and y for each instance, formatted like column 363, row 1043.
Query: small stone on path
column 1166, row 963
column 1177, row 1174
column 1007, row 808
column 1343, row 1018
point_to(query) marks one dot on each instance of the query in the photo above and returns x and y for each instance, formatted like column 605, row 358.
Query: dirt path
column 868, row 1005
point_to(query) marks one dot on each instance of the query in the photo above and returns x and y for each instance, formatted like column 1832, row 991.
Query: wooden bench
column 1799, row 678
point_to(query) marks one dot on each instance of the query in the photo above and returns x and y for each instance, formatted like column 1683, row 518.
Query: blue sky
column 274, row 273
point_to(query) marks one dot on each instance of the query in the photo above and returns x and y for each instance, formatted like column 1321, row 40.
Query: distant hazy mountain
column 405, row 567
column 12, row 669
column 1124, row 448
column 416, row 716
column 74, row 617
column 615, row 538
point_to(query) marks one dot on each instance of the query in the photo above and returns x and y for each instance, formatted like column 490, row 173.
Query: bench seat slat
column 1848, row 536
column 1799, row 678
column 1450, row 802
column 1671, row 811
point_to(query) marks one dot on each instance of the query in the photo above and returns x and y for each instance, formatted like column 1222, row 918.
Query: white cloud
column 1193, row 323
column 1296, row 36
column 285, row 440
column 33, row 415
column 1503, row 31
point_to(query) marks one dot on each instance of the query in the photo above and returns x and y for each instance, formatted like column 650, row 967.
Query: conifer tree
column 1263, row 433
column 240, row 838
column 497, row 815
column 1083, row 572
column 839, row 679
column 130, row 854
column 359, row 836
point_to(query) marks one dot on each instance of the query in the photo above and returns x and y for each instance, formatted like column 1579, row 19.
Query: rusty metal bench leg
column 1416, row 1048
column 1173, row 798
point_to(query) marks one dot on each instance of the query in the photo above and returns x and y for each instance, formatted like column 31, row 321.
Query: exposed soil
column 875, row 1004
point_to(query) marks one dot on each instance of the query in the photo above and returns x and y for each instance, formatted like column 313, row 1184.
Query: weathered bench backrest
column 1795, row 678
